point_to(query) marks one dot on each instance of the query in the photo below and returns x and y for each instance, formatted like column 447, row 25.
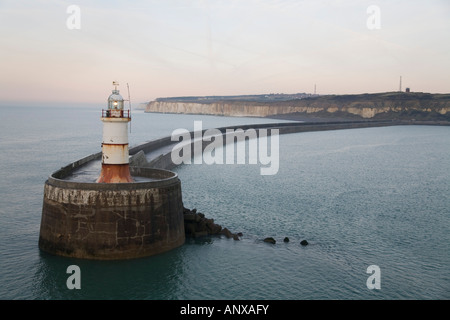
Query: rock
column 196, row 225
column 189, row 228
column 212, row 227
column 270, row 240
column 200, row 234
column 304, row 243
column 227, row 233
column 286, row 239
column 201, row 224
column 189, row 217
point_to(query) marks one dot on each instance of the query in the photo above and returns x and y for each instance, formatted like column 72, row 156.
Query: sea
column 373, row 205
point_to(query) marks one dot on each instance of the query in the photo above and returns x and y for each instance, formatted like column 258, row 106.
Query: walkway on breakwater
column 157, row 153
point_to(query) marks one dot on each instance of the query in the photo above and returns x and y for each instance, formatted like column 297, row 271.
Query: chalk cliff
column 394, row 105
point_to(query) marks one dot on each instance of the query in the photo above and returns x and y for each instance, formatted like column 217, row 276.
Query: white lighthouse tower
column 115, row 162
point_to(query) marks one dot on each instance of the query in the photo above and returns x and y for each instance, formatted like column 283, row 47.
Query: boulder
column 189, row 228
column 227, row 233
column 212, row 227
column 199, row 234
column 197, row 225
column 189, row 217
column 270, row 240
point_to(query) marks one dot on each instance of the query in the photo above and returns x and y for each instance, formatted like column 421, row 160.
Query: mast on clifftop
column 129, row 102
column 115, row 156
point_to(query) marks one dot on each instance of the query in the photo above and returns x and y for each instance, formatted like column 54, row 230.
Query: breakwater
column 84, row 219
column 157, row 153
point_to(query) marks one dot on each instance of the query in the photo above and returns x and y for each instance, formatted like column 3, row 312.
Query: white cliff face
column 366, row 110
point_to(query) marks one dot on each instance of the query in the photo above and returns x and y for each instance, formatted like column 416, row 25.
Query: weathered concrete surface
column 112, row 221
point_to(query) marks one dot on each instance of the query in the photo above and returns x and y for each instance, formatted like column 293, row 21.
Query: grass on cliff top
column 384, row 96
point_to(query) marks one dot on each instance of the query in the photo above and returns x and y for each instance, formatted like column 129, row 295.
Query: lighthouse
column 115, row 157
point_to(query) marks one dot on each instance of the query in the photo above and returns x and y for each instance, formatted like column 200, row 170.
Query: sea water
column 360, row 197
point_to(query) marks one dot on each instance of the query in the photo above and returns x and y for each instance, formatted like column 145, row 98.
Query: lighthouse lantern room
column 115, row 156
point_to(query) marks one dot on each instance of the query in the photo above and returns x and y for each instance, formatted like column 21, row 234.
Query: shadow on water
column 155, row 277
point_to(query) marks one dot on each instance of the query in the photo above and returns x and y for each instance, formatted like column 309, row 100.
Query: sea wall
column 112, row 221
column 363, row 106
column 163, row 159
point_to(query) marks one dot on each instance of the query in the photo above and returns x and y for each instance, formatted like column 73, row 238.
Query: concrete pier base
column 113, row 221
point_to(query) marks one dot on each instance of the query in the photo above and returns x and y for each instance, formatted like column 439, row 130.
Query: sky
column 166, row 48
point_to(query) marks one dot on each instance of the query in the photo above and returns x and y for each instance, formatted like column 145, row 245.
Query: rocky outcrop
column 393, row 105
column 196, row 225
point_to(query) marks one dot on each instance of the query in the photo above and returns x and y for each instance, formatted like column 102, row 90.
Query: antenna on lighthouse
column 129, row 102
